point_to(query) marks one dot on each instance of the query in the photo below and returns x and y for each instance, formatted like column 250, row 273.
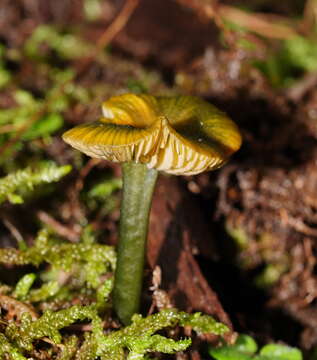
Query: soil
column 238, row 243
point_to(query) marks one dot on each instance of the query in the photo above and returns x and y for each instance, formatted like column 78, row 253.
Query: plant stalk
column 138, row 186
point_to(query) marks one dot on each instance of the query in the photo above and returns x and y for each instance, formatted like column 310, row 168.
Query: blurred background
column 248, row 231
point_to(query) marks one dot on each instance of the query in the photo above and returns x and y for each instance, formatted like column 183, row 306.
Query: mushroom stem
column 138, row 185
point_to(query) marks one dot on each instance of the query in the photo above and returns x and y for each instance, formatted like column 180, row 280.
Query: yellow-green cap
column 180, row 135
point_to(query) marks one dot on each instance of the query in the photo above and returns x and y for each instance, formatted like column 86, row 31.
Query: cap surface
column 180, row 135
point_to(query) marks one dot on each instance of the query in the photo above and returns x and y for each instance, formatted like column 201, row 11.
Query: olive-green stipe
column 180, row 135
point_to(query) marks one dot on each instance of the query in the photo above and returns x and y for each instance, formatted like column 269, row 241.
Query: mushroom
column 180, row 135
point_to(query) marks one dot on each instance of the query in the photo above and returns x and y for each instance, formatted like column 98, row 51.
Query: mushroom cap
column 180, row 135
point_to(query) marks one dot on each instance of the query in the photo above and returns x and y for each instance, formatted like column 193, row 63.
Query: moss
column 69, row 349
column 7, row 348
column 137, row 339
column 21, row 183
column 23, row 286
column 48, row 325
column 91, row 260
column 140, row 337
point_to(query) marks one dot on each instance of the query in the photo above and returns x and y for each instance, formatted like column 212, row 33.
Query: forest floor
column 238, row 243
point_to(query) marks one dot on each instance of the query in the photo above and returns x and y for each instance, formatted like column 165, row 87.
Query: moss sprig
column 91, row 258
column 48, row 325
column 86, row 268
column 16, row 185
column 140, row 337
column 133, row 341
column 7, row 348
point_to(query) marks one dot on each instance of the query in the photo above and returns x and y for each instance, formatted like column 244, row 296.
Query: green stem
column 138, row 186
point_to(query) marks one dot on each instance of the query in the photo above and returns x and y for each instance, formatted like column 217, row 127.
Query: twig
column 85, row 327
column 109, row 34
column 302, row 86
column 14, row 231
column 118, row 24
column 309, row 17
column 59, row 228
column 84, row 172
column 51, row 342
column 78, row 212
column 301, row 227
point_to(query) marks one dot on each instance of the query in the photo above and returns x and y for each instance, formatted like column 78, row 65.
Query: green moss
column 138, row 339
column 67, row 45
column 63, row 256
column 7, row 348
column 202, row 324
column 16, row 185
column 45, row 292
column 295, row 56
column 23, row 286
column 83, row 263
column 69, row 349
column 103, row 293
column 48, row 325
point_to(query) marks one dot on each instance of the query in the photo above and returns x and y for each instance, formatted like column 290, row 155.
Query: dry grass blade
column 258, row 23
